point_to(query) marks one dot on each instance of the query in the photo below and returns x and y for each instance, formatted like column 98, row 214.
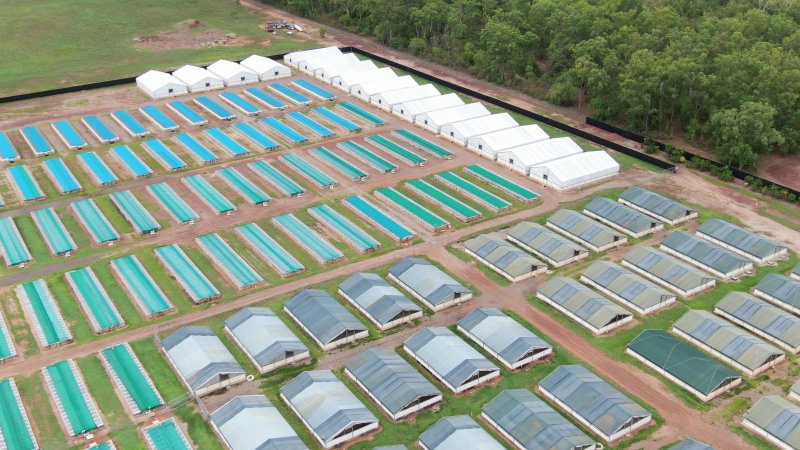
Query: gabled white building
column 160, row 84
column 386, row 100
column 459, row 132
column 298, row 59
column 346, row 80
column 521, row 159
column 490, row 144
column 575, row 171
column 348, row 62
column 411, row 109
column 434, row 120
column 367, row 89
column 198, row 79
column 265, row 68
column 233, row 74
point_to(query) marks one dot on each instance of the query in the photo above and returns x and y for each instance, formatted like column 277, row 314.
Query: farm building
column 795, row 273
column 346, row 80
column 531, row 424
column 295, row 58
column 233, row 74
column 250, row 422
column 781, row 291
column 691, row 444
column 165, row 435
column 198, row 79
column 201, row 360
column 741, row 241
column 387, row 100
column 434, row 120
column 327, row 69
column 451, row 360
column 575, row 171
column 583, row 305
column 705, row 255
column 392, row 382
column 775, row 419
column 762, row 319
column 366, row 90
column 461, row 131
column 16, row 432
column 520, row 159
column 576, row 226
column 552, row 247
column 332, row 413
column 728, row 342
column 265, row 339
column 429, row 284
column 503, row 337
column 590, row 400
column 667, row 271
column 662, row 208
column 457, row 433
column 626, row 287
column 380, row 301
column 622, row 218
column 504, row 258
column 490, row 144
column 265, row 68
column 324, row 319
column 160, row 84
column 683, row 364
column 409, row 110
column 794, row 392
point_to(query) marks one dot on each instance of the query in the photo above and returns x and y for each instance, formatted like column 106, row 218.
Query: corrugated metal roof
column 548, row 243
column 502, row 334
column 667, row 268
column 621, row 215
column 533, row 423
column 252, row 422
column 325, row 403
column 763, row 316
column 592, row 398
column 796, row 270
column 585, row 303
column 739, row 238
column 778, row 417
column 390, row 379
column 783, row 288
column 726, row 338
column 704, row 252
column 655, row 203
column 378, row 297
column 458, row 433
column 503, row 255
column 323, row 316
column 583, row 227
column 264, row 336
column 796, row 388
column 427, row 280
column 200, row 356
column 448, row 355
column 691, row 444
column 631, row 287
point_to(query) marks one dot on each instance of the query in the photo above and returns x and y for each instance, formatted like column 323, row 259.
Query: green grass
column 18, row 327
column 35, row 395
column 104, row 393
column 490, row 274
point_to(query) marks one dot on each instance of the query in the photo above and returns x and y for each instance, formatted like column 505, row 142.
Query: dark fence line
column 737, row 173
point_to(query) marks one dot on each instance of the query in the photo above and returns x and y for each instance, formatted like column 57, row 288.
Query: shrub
column 725, row 174
column 650, row 146
column 791, row 197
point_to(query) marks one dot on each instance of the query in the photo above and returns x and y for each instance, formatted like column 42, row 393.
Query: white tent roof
column 326, row 52
column 484, row 124
column 389, row 84
column 513, row 137
column 432, row 103
column 457, row 113
column 582, row 165
column 227, row 69
column 337, row 65
column 544, row 151
column 260, row 64
column 192, row 74
column 153, row 79
column 362, row 76
column 396, row 96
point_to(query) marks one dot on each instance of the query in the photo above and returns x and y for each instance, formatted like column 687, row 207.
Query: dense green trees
column 723, row 72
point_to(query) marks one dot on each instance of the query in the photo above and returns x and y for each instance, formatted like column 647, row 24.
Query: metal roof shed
column 691, row 444
column 268, row 343
column 233, row 74
column 781, row 291
column 387, row 100
column 593, row 402
column 346, row 80
column 409, row 110
column 520, row 159
column 201, row 360
column 656, row 205
column 744, row 242
column 668, row 271
column 249, row 422
column 392, row 382
column 198, row 79
column 590, row 233
column 531, row 424
column 324, row 319
column 553, row 248
column 490, row 144
column 428, row 283
column 728, row 342
column 266, row 68
column 705, row 255
column 581, row 304
column 795, row 273
column 775, row 419
column 160, row 84
column 626, row 287
column 503, row 337
column 794, row 392
column 457, row 433
column 761, row 318
column 461, row 131
column 683, row 364
column 622, row 218
column 332, row 413
column 575, row 171
column 450, row 359
column 504, row 258
column 377, row 299
column 434, row 120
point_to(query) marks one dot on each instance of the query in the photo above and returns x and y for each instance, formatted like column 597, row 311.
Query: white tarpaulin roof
column 261, row 64
column 577, row 169
column 362, row 76
column 389, row 84
column 456, row 114
column 512, row 137
column 544, row 151
column 424, row 105
column 191, row 75
column 481, row 125
column 154, row 80
column 228, row 69
column 410, row 93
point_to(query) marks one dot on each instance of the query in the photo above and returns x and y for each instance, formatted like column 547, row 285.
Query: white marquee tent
column 267, row 69
column 411, row 109
column 386, row 100
column 233, row 74
column 367, row 89
column 521, row 159
column 575, row 171
column 345, row 80
column 461, row 131
column 490, row 144
column 160, row 84
column 198, row 79
column 434, row 120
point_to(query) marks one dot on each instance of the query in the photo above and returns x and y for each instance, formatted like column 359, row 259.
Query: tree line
column 723, row 73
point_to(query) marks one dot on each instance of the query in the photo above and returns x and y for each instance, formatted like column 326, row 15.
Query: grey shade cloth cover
column 428, row 281
column 251, row 422
column 264, row 336
column 200, row 356
column 448, row 355
column 547, row 242
column 323, row 316
column 655, row 203
column 380, row 299
column 502, row 334
column 458, row 433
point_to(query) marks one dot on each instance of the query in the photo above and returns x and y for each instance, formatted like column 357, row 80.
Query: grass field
column 49, row 43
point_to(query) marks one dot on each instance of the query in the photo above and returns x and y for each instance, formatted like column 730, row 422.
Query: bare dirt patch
column 190, row 36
